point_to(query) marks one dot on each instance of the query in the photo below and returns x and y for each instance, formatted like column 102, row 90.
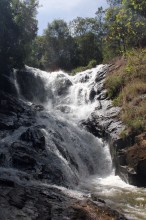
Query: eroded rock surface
column 105, row 123
column 136, row 160
column 29, row 170
column 48, row 203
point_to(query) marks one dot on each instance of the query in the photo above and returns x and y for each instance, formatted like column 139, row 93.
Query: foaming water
column 69, row 94
column 68, row 100
column 127, row 199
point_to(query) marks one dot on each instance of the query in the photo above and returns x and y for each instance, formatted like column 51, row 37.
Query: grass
column 126, row 85
column 90, row 65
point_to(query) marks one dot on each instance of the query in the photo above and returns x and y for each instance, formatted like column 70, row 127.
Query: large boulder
column 136, row 161
column 28, row 202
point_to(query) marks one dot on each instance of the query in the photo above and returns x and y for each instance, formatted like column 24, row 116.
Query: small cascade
column 69, row 156
column 16, row 83
column 67, row 101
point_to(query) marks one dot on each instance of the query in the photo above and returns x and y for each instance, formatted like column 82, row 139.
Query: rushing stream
column 68, row 100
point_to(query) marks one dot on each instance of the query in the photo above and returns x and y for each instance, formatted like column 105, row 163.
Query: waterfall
column 74, row 156
column 67, row 101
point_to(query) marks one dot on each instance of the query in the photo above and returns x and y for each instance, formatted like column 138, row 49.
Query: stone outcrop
column 104, row 122
column 27, row 171
column 136, row 161
column 37, row 202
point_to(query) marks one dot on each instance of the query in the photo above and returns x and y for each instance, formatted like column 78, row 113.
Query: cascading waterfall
column 67, row 102
column 79, row 155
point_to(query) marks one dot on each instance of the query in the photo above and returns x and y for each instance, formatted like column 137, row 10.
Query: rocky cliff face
column 29, row 170
column 42, row 155
column 136, row 161
column 105, row 122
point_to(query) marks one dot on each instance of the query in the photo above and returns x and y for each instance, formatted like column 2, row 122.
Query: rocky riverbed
column 28, row 174
column 44, row 158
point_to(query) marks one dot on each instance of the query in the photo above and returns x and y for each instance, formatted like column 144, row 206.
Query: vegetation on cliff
column 126, row 85
column 120, row 30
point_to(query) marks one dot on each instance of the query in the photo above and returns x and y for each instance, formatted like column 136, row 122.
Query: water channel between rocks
column 84, row 159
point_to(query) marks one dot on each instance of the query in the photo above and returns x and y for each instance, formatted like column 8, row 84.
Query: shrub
column 78, row 69
column 114, row 84
column 126, row 85
column 92, row 64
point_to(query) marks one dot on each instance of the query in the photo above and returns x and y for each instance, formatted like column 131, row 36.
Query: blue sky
column 66, row 9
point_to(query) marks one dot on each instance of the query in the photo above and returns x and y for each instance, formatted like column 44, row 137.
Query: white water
column 68, row 102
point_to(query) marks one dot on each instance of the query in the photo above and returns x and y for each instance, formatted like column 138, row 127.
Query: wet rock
column 105, row 123
column 49, row 203
column 7, row 83
column 92, row 95
column 62, row 84
column 136, row 161
column 36, row 136
column 23, row 161
column 29, row 163
column 35, row 86
column 2, row 159
column 64, row 108
column 6, row 183
column 87, row 209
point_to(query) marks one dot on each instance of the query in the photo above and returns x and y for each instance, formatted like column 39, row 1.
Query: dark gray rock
column 35, row 86
column 35, row 136
column 62, row 84
column 105, row 123
column 29, row 165
column 28, row 202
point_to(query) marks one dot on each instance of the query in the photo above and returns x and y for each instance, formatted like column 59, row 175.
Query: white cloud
column 66, row 9
column 58, row 4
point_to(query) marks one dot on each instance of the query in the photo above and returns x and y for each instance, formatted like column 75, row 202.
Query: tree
column 8, row 36
column 36, row 58
column 88, row 48
column 87, row 34
column 125, row 29
column 25, row 19
column 60, row 46
column 81, row 26
column 114, row 3
column 138, row 5
column 18, row 28
column 100, row 16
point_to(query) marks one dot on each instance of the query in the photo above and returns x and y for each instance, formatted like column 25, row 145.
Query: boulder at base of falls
column 28, row 202
column 136, row 161
column 28, row 170
column 23, row 150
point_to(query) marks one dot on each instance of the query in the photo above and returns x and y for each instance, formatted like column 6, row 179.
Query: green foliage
column 87, row 33
column 8, row 35
column 18, row 28
column 138, row 5
column 88, row 49
column 36, row 57
column 127, row 87
column 114, row 3
column 60, row 47
column 135, row 117
column 78, row 70
column 114, row 84
column 125, row 29
column 91, row 64
column 81, row 26
column 66, row 46
column 136, row 66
